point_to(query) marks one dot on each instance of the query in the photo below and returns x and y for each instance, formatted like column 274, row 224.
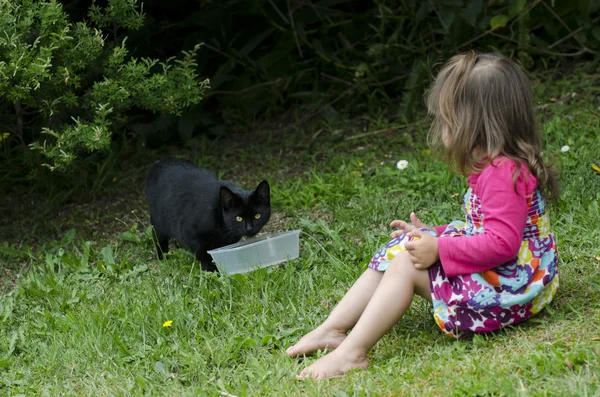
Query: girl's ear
column 229, row 200
column 262, row 193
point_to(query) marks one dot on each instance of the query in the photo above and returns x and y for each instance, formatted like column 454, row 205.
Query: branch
column 386, row 82
column 369, row 133
column 247, row 89
column 294, row 30
column 313, row 114
column 558, row 54
column 279, row 12
column 439, row 17
column 349, row 84
column 19, row 114
column 573, row 33
column 522, row 13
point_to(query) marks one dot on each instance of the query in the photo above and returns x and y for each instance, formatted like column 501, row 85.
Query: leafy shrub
column 279, row 52
column 65, row 85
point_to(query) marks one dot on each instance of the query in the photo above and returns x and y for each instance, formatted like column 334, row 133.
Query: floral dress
column 492, row 299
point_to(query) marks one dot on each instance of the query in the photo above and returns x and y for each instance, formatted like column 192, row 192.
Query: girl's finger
column 415, row 220
column 396, row 234
column 398, row 224
column 415, row 233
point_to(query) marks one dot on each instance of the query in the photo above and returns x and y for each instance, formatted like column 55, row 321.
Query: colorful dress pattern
column 492, row 299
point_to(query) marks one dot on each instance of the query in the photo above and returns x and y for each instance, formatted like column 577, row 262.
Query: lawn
column 83, row 301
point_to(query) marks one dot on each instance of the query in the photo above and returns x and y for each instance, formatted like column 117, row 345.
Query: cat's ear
column 262, row 194
column 229, row 200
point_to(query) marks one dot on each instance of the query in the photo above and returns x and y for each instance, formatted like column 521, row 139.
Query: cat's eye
column 239, row 219
column 257, row 216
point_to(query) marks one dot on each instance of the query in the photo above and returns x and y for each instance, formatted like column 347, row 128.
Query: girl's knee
column 402, row 266
column 401, row 263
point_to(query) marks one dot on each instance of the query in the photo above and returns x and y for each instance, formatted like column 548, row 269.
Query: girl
column 497, row 267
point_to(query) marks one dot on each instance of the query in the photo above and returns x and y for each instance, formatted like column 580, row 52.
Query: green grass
column 83, row 313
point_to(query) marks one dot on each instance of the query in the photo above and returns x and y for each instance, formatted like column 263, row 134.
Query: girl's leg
column 343, row 317
column 389, row 302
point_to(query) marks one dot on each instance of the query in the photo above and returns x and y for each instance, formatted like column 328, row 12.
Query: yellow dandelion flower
column 167, row 323
column 360, row 164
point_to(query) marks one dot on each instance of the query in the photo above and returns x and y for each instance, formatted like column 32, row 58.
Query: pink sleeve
column 439, row 229
column 504, row 216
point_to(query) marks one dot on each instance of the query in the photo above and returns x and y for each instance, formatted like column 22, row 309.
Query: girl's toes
column 302, row 375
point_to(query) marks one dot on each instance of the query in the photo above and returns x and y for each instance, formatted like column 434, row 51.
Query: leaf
column 472, row 11
column 107, row 255
column 128, row 236
column 217, row 130
column 8, row 251
column 138, row 269
column 7, row 307
column 185, row 127
column 447, row 15
column 267, row 340
column 5, row 363
column 515, row 6
column 583, row 6
column 149, row 232
column 255, row 41
column 85, row 257
column 596, row 32
column 69, row 237
column 12, row 342
column 422, row 13
column 596, row 168
column 499, row 21
column 412, row 87
column 594, row 285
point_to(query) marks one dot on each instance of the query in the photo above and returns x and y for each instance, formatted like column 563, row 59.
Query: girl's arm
column 439, row 229
column 504, row 217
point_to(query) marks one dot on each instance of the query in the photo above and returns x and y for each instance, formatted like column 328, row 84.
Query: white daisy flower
column 402, row 164
column 565, row 149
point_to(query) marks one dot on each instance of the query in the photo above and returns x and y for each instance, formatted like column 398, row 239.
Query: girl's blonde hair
column 483, row 102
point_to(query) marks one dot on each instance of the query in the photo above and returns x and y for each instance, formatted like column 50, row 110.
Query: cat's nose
column 249, row 228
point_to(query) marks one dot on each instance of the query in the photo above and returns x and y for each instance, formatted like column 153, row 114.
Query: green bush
column 65, row 86
column 68, row 82
column 267, row 55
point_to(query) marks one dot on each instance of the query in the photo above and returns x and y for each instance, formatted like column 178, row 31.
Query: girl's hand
column 405, row 228
column 424, row 251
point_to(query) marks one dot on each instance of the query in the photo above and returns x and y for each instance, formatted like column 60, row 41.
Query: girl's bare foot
column 316, row 340
column 338, row 362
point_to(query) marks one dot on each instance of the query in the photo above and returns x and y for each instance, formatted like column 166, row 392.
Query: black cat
column 191, row 205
